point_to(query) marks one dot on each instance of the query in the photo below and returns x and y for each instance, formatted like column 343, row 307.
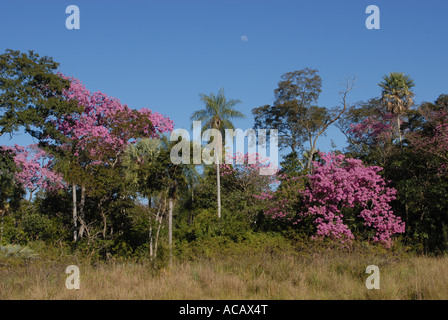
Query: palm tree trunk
column 398, row 124
column 75, row 214
column 218, row 182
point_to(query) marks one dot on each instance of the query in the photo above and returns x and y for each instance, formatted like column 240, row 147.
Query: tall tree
column 93, row 142
column 397, row 95
column 31, row 93
column 149, row 169
column 296, row 115
column 338, row 191
column 11, row 192
column 217, row 114
column 143, row 172
column 370, row 132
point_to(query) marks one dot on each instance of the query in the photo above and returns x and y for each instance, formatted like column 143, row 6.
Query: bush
column 17, row 251
column 27, row 224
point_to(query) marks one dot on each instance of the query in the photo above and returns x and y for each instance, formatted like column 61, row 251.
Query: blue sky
column 162, row 54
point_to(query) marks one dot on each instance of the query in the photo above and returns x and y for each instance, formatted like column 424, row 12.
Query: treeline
column 101, row 180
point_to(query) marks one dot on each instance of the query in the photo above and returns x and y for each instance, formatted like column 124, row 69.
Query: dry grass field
column 261, row 275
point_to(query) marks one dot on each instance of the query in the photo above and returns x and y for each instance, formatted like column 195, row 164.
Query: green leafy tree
column 149, row 169
column 372, row 142
column 144, row 174
column 10, row 192
column 31, row 94
column 296, row 115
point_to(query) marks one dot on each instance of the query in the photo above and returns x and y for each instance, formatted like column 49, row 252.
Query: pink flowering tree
column 93, row 142
column 106, row 126
column 435, row 140
column 371, row 131
column 377, row 128
column 339, row 185
column 35, row 170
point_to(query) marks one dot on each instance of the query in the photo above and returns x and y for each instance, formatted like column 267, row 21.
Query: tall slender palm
column 397, row 94
column 217, row 115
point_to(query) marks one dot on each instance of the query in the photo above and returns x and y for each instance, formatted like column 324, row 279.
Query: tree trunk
column 398, row 125
column 159, row 219
column 151, row 252
column 75, row 214
column 31, row 195
column 104, row 223
column 170, row 228
column 218, row 182
column 156, row 241
column 310, row 158
column 81, row 212
column 1, row 228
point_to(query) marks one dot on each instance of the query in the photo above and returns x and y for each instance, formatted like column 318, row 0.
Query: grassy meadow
column 262, row 274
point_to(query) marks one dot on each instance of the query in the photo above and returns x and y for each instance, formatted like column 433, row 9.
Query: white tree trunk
column 81, row 212
column 151, row 251
column 170, row 228
column 75, row 214
column 218, row 181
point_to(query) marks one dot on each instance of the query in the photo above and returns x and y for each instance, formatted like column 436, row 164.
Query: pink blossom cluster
column 437, row 142
column 336, row 183
column 105, row 126
column 377, row 127
column 35, row 170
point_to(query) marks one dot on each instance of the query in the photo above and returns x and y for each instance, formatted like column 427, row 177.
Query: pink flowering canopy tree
column 106, row 126
column 436, row 142
column 35, row 169
column 336, row 184
column 376, row 128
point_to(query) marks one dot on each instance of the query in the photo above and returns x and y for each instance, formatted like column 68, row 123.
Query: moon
column 244, row 38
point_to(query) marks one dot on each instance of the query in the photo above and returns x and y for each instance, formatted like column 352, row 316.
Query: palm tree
column 217, row 115
column 138, row 165
column 397, row 94
column 149, row 170
column 176, row 179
